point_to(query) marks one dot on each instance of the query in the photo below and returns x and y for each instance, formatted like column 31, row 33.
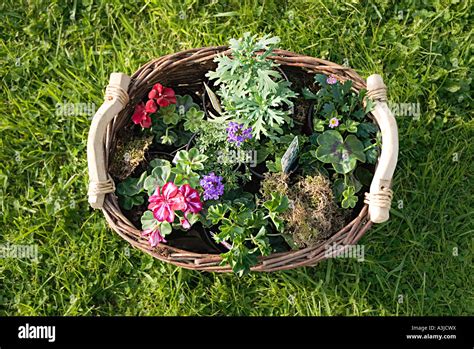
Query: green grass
column 54, row 53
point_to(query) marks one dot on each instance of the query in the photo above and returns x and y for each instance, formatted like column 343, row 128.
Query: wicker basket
column 187, row 68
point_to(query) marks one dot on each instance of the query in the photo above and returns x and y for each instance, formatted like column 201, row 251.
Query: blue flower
column 237, row 134
column 213, row 187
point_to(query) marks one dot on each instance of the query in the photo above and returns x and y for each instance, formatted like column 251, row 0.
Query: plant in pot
column 232, row 158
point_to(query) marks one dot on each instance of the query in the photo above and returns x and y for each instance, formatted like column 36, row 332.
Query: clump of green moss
column 128, row 155
column 313, row 215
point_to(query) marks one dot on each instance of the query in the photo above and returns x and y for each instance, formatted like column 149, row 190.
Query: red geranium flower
column 164, row 96
column 165, row 203
column 191, row 198
column 150, row 106
column 140, row 116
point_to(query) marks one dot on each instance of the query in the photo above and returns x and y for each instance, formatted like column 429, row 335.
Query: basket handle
column 380, row 197
column 116, row 97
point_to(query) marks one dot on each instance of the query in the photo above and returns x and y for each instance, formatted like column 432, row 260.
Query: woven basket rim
column 157, row 70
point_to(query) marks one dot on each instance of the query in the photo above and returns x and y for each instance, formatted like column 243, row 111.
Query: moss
column 274, row 182
column 128, row 155
column 314, row 214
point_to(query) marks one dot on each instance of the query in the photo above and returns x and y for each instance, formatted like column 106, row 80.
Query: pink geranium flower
column 140, row 116
column 191, row 198
column 331, row 80
column 164, row 203
column 154, row 236
column 164, row 96
column 185, row 223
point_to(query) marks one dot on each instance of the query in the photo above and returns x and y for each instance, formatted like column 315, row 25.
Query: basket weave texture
column 188, row 68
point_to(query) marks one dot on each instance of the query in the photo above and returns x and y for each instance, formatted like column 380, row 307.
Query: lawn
column 61, row 53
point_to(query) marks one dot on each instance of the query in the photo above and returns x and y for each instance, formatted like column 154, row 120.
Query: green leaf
column 318, row 125
column 261, row 241
column 345, row 166
column 148, row 221
column 240, row 259
column 263, row 153
column 265, row 80
column 369, row 106
column 329, row 144
column 352, row 181
column 355, row 147
column 278, row 203
column 216, row 213
column 257, row 217
column 137, row 200
column 321, row 79
column 181, row 168
column 141, row 181
column 162, row 173
column 193, row 159
column 351, row 126
column 130, row 192
column 307, row 94
column 191, row 178
column 338, row 188
column 169, row 137
column 343, row 155
column 165, row 228
column 159, row 162
column 126, row 202
column 349, row 200
column 346, row 87
column 193, row 218
column 130, row 186
column 289, row 240
column 168, row 114
column 234, row 233
column 184, row 103
column 158, row 177
column 194, row 120
column 328, row 109
column 171, row 119
column 277, row 221
column 358, row 114
column 366, row 129
column 274, row 166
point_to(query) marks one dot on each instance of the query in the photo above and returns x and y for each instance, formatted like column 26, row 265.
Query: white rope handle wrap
column 378, row 94
column 380, row 197
column 116, row 98
column 114, row 91
column 97, row 188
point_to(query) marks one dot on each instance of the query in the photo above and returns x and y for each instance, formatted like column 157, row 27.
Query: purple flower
column 237, row 134
column 331, row 80
column 334, row 122
column 212, row 185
